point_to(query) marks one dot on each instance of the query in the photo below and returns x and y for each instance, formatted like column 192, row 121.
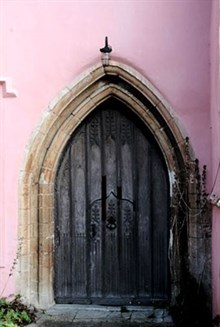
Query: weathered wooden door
column 111, row 226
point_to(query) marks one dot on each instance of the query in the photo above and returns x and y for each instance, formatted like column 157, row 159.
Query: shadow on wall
column 191, row 308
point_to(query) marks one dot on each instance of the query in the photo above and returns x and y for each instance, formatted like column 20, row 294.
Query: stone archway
column 36, row 185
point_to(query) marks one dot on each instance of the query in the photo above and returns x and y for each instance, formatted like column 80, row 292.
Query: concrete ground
column 103, row 316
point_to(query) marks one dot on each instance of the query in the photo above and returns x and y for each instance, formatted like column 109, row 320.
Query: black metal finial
column 107, row 48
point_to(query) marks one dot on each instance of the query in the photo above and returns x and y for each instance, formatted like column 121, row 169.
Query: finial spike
column 107, row 48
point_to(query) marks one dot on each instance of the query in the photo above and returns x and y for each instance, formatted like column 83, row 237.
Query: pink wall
column 215, row 123
column 45, row 45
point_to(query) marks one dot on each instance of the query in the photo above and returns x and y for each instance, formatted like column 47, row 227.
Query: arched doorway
column 111, row 204
column 37, row 210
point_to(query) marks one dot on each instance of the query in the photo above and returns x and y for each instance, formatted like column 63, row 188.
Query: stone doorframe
column 36, row 184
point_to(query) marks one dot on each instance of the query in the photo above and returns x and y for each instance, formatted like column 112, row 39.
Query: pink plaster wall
column 215, row 124
column 46, row 44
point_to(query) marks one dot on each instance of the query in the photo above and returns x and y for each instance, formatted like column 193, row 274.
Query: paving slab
column 49, row 323
column 101, row 316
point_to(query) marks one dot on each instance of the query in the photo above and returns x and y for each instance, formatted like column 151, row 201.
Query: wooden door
column 111, row 224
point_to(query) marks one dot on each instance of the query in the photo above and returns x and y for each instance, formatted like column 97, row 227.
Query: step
column 102, row 316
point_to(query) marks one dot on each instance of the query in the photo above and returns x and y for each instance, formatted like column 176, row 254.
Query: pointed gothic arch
column 36, row 184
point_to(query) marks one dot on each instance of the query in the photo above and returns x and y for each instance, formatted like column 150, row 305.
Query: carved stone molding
column 7, row 90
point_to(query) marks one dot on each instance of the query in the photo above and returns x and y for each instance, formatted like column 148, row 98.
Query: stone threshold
column 103, row 316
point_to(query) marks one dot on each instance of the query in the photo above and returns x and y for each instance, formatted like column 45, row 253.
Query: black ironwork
column 107, row 48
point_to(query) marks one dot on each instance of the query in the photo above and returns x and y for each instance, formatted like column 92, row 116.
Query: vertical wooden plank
column 126, row 166
column 78, row 215
column 143, row 200
column 109, row 149
column 128, row 260
column 160, row 228
column 110, row 237
column 127, row 254
column 63, row 235
column 111, row 268
column 94, row 176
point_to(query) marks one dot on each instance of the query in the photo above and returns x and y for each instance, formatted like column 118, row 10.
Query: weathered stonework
column 36, row 185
